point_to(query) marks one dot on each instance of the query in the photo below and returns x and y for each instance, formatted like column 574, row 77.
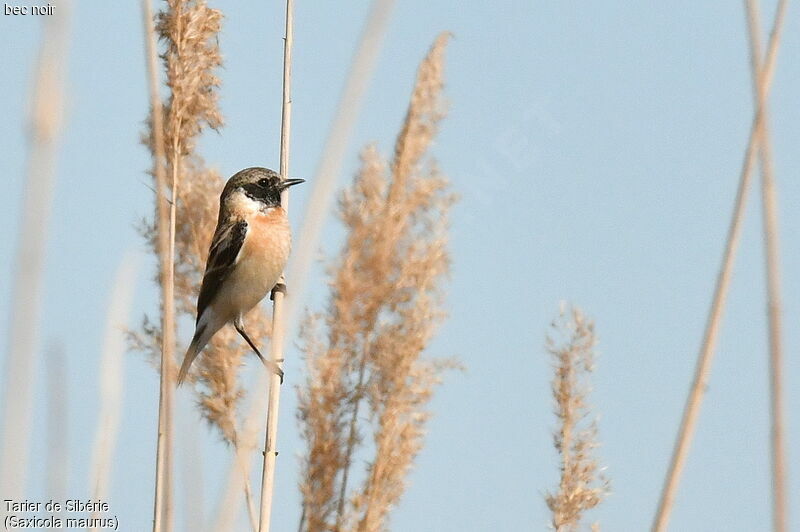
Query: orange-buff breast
column 262, row 258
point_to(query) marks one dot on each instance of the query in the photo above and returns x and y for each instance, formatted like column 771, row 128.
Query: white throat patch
column 243, row 205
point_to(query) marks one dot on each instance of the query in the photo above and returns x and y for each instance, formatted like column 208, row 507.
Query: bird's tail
column 205, row 330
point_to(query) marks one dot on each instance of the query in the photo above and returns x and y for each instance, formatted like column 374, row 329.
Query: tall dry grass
column 582, row 485
column 162, row 491
column 278, row 318
column 705, row 356
column 364, row 352
column 772, row 258
column 45, row 117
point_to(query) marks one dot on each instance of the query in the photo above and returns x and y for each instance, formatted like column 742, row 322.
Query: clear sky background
column 596, row 148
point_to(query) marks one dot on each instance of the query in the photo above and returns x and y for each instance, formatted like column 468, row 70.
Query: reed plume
column 582, row 485
column 365, row 351
column 190, row 30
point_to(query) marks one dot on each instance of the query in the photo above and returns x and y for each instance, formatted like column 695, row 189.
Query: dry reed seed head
column 424, row 112
column 582, row 485
column 322, row 419
column 383, row 309
column 190, row 29
column 358, row 203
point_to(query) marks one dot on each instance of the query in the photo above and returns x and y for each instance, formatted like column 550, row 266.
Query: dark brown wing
column 225, row 247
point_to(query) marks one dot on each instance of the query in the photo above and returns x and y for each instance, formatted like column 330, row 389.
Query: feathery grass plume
column 385, row 305
column 190, row 30
column 582, row 485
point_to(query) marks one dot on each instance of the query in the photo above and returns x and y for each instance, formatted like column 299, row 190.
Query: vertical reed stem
column 162, row 504
column 703, row 368
column 771, row 249
column 322, row 193
column 278, row 322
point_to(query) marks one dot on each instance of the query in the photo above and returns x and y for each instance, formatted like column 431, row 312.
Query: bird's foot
column 280, row 287
column 274, row 368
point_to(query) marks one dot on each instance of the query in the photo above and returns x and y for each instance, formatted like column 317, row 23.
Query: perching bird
column 248, row 253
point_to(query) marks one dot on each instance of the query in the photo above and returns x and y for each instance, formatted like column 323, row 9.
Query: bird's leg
column 270, row 365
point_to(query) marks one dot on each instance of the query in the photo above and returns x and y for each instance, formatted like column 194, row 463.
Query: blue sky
column 596, row 149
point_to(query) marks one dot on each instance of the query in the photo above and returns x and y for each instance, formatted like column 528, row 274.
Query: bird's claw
column 280, row 287
column 274, row 368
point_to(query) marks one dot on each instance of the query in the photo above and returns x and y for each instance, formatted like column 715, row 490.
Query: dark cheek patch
column 267, row 195
column 253, row 191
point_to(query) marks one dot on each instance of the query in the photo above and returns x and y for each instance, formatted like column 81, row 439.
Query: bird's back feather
column 225, row 246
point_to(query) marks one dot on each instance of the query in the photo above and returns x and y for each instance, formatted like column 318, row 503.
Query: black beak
column 291, row 182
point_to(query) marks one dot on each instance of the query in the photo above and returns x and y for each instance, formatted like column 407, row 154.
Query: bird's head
column 260, row 185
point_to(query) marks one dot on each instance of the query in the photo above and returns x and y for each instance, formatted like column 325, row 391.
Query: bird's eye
column 263, row 182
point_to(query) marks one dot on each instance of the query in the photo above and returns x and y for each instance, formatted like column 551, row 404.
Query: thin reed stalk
column 278, row 318
column 162, row 492
column 705, row 356
column 772, row 256
column 582, row 485
column 45, row 120
column 321, row 196
column 111, row 381
column 326, row 176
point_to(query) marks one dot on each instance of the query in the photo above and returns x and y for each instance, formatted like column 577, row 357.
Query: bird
column 248, row 253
